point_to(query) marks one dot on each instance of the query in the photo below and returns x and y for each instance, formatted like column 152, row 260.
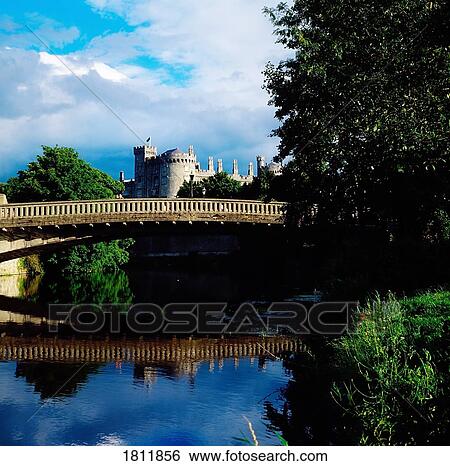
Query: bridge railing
column 111, row 208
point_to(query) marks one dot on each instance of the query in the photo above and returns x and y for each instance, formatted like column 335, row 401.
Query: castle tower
column 191, row 151
column 176, row 167
column 219, row 166
column 261, row 163
column 210, row 164
column 235, row 168
column 250, row 169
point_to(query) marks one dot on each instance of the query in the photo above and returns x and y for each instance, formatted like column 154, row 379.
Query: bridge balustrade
column 103, row 209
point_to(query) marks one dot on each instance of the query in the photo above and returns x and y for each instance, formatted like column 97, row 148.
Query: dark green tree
column 219, row 186
column 59, row 174
column 363, row 103
column 265, row 187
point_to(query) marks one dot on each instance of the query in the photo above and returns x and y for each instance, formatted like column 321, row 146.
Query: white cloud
column 221, row 46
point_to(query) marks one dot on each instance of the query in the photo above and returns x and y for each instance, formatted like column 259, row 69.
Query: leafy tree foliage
column 265, row 187
column 107, row 257
column 364, row 111
column 60, row 175
column 219, row 186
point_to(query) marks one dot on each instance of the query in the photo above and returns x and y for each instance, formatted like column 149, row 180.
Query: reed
column 395, row 370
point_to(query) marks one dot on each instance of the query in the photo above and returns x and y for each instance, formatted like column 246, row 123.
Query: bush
column 105, row 256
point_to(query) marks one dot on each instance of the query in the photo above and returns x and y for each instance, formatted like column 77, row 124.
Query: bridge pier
column 11, row 267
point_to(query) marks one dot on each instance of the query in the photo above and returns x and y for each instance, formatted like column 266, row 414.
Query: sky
column 181, row 71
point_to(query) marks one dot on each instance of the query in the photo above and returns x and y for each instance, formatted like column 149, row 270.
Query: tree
column 60, row 175
column 363, row 108
column 219, row 186
column 265, row 187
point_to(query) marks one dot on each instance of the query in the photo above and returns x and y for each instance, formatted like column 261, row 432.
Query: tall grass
column 395, row 368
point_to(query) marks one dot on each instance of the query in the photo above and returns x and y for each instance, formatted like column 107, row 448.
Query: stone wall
column 11, row 285
column 12, row 267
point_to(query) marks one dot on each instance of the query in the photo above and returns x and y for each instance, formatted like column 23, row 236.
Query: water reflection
column 90, row 288
column 51, row 383
column 178, row 392
column 214, row 280
column 56, row 391
column 306, row 413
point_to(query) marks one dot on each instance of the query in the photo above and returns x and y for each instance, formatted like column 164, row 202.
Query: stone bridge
column 31, row 228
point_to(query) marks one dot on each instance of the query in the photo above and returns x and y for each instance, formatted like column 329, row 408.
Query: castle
column 162, row 175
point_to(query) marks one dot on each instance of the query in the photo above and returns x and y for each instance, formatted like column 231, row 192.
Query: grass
column 395, row 368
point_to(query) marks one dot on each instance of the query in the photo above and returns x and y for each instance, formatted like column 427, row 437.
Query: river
column 154, row 391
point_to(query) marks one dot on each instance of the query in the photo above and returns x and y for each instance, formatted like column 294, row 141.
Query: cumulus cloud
column 186, row 72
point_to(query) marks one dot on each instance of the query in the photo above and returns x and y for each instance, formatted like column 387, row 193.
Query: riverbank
column 397, row 361
column 384, row 383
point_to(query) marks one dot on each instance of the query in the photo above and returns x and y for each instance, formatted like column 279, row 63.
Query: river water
column 165, row 391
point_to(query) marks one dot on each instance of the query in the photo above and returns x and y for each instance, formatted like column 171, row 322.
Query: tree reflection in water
column 80, row 288
column 309, row 415
column 55, row 380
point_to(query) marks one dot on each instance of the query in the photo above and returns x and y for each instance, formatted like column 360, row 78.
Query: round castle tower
column 176, row 167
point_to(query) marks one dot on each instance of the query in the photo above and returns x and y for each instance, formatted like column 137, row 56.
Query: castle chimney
column 210, row 164
column 235, row 167
column 219, row 166
column 121, row 176
column 250, row 169
column 191, row 150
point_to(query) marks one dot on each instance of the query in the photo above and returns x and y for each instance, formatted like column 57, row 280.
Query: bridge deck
column 122, row 210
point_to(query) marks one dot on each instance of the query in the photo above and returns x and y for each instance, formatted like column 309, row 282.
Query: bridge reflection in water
column 48, row 363
column 176, row 349
column 166, row 392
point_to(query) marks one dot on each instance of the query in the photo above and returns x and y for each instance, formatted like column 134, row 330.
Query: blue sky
column 66, row 13
column 183, row 71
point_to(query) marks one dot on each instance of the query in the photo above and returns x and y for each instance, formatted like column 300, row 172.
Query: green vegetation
column 219, row 186
column 265, row 187
column 60, row 175
column 97, row 287
column 107, row 257
column 32, row 265
column 364, row 111
column 364, row 116
column 397, row 365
